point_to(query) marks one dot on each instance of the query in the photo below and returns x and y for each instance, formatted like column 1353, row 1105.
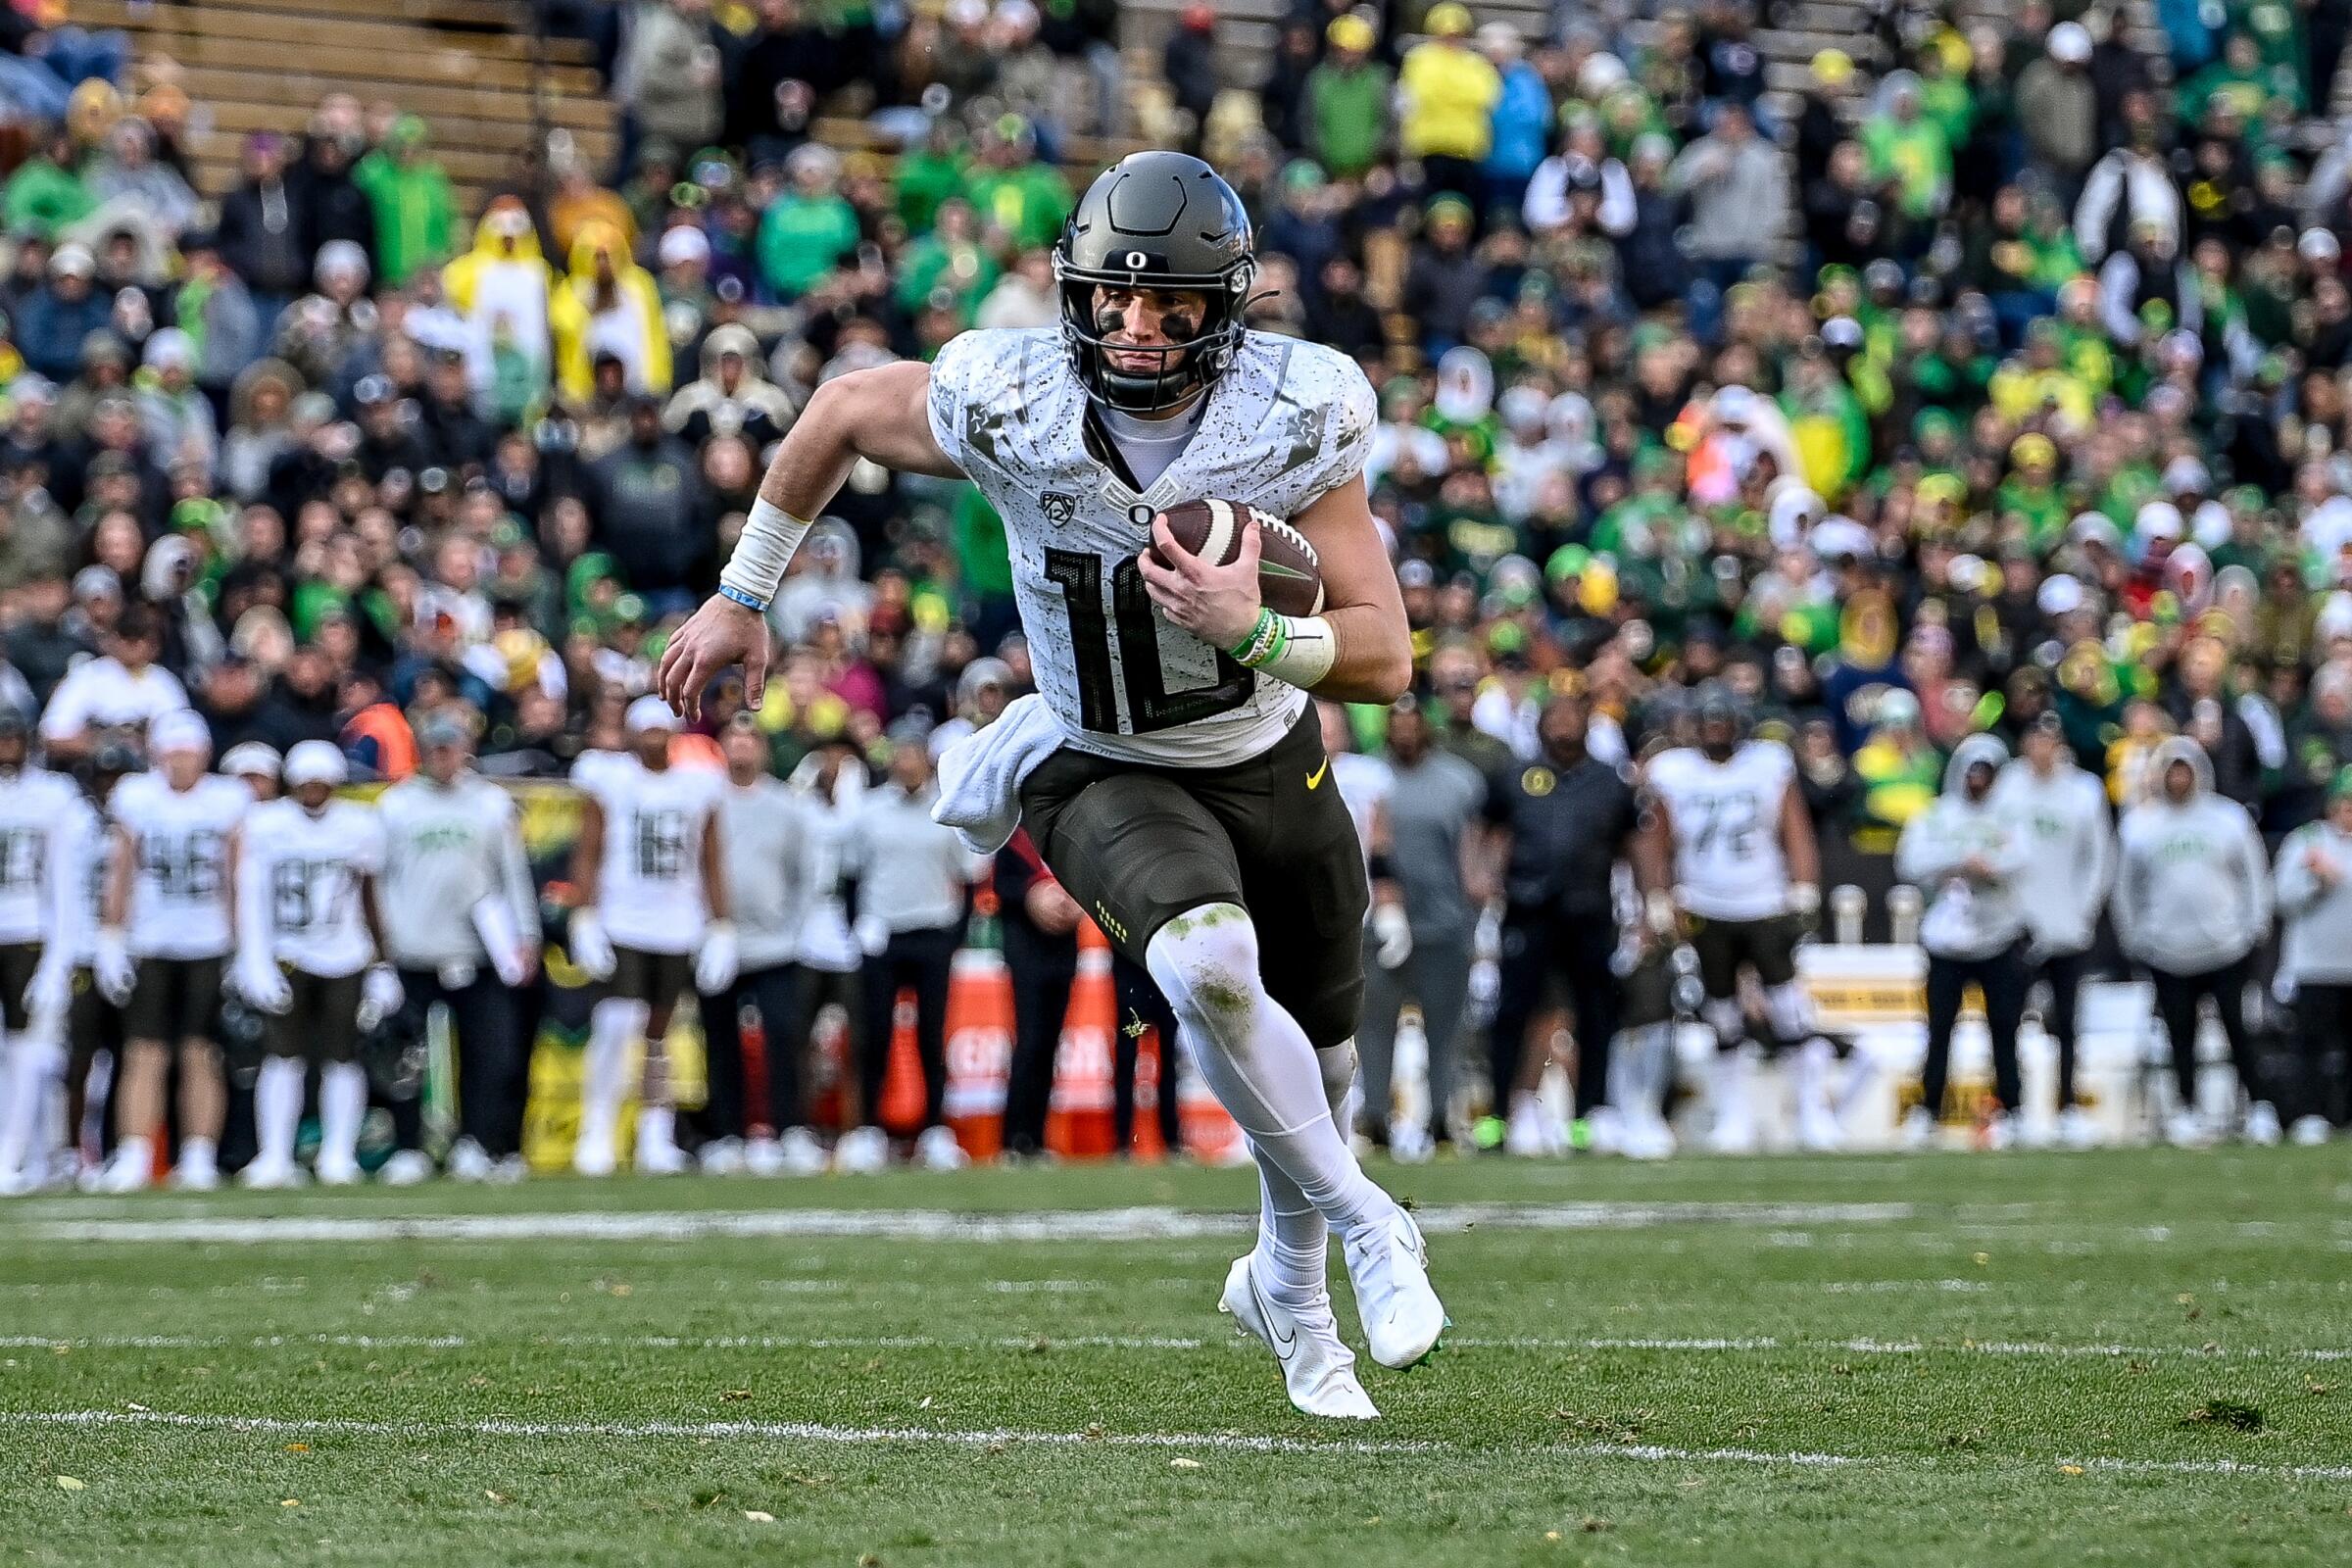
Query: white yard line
column 1046, row 1339
column 1001, row 1437
column 1146, row 1223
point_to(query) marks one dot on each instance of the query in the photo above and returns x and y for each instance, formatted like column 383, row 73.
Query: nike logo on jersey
column 1316, row 777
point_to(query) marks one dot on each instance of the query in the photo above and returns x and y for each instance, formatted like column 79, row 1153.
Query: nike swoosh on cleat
column 1283, row 1349
column 1316, row 777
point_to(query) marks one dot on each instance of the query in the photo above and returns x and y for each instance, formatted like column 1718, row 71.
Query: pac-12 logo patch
column 1058, row 509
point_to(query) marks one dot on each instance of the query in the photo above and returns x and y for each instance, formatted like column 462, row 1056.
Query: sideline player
column 38, row 811
column 309, row 954
column 168, row 928
column 653, row 919
column 1187, row 806
column 1746, row 879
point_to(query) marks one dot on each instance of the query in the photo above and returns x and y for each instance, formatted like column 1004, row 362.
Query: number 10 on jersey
column 1136, row 670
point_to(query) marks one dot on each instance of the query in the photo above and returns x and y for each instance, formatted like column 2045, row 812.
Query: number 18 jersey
column 650, row 887
column 1287, row 423
column 1726, row 818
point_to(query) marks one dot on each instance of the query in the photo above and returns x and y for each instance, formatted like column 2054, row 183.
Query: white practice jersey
column 1287, row 423
column 36, row 807
column 1725, row 816
column 89, row 848
column 179, row 888
column 1364, row 784
column 305, row 873
column 650, row 887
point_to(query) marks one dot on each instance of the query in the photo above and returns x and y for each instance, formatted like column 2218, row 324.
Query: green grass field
column 2127, row 1357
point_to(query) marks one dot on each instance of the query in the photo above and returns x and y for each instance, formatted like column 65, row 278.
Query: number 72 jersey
column 1286, row 423
column 1726, row 818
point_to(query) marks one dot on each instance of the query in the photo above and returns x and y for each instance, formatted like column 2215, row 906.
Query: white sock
column 1790, row 1012
column 657, row 1128
column 342, row 1107
column 1723, row 1015
column 277, row 1109
column 199, row 1154
column 33, row 1065
column 1259, row 1063
column 603, row 1084
column 1734, row 1070
column 1292, row 1237
column 1814, row 1058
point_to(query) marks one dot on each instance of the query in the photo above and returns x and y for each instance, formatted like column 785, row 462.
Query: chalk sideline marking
column 1136, row 1224
column 1005, row 1437
column 1045, row 1341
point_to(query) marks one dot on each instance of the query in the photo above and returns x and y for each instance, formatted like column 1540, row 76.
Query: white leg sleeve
column 33, row 1065
column 1814, row 1059
column 1723, row 1015
column 1259, row 1063
column 342, row 1107
column 278, row 1107
column 604, row 1081
column 1292, row 1237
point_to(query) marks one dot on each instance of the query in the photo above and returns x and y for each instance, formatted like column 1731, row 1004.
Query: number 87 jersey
column 1286, row 423
column 1726, row 822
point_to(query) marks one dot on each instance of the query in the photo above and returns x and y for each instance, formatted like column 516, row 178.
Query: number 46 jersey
column 1285, row 423
column 1726, row 818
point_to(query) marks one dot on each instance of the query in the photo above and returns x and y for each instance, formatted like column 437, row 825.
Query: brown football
column 1290, row 575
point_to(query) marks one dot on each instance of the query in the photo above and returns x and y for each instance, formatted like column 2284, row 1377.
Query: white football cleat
column 1647, row 1137
column 1734, row 1130
column 2076, row 1129
column 799, row 1153
column 2262, row 1124
column 407, row 1168
column 1818, row 1131
column 1919, row 1130
column 130, row 1170
column 862, row 1152
column 198, row 1169
column 343, row 1173
column 661, row 1156
column 722, row 1157
column 507, row 1172
column 2001, row 1132
column 1527, row 1137
column 761, row 1157
column 1389, row 1265
column 1409, row 1142
column 594, row 1156
column 1317, row 1369
column 2310, row 1132
column 270, row 1176
column 2186, row 1129
column 938, row 1149
column 468, row 1161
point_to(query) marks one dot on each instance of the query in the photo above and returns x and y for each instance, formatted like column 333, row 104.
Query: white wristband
column 763, row 552
column 1304, row 651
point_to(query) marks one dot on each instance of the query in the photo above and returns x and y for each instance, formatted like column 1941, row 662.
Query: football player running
column 1182, row 793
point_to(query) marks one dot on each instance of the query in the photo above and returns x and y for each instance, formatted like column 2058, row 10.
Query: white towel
column 980, row 776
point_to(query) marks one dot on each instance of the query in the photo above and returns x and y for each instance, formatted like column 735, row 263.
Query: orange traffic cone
column 1078, row 1117
column 979, row 1050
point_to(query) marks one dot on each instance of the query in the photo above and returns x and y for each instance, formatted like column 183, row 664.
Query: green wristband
column 1261, row 633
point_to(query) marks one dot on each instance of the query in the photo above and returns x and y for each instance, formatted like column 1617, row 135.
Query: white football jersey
column 1725, row 816
column 307, row 870
column 88, row 849
column 36, row 807
column 1287, row 423
column 179, row 888
column 650, row 887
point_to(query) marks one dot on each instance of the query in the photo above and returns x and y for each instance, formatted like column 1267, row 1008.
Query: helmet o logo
column 1137, row 260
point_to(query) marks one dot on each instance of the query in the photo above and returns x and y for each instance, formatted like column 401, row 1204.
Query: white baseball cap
column 183, row 729
column 316, row 763
column 650, row 713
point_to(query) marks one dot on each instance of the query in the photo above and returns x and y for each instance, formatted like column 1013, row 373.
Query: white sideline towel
column 980, row 776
